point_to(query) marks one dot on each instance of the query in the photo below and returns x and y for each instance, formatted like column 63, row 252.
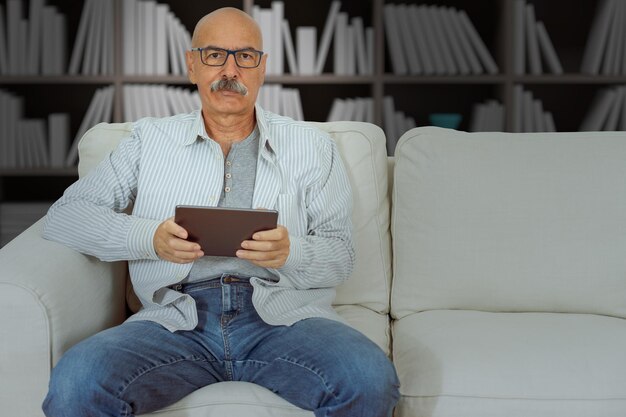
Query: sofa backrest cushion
column 362, row 147
column 509, row 222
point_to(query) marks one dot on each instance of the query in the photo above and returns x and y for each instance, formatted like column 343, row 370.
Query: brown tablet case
column 220, row 230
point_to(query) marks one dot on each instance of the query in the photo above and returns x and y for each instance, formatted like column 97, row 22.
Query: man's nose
column 230, row 67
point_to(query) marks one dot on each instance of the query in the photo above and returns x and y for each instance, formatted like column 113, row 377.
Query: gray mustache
column 229, row 84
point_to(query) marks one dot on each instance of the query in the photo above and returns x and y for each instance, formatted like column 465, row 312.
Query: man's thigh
column 138, row 366
column 321, row 364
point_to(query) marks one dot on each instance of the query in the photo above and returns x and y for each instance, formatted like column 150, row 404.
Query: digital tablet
column 220, row 231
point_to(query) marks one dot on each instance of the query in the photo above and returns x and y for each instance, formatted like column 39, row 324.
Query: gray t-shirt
column 239, row 178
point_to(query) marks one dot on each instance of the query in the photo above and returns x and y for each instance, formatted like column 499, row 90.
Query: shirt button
column 227, row 189
column 228, row 163
column 228, row 175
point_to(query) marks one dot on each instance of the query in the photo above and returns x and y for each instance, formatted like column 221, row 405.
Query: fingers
column 170, row 244
column 269, row 249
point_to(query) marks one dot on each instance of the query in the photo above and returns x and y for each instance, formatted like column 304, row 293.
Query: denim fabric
column 138, row 367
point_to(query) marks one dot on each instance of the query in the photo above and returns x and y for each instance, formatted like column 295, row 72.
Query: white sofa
column 508, row 295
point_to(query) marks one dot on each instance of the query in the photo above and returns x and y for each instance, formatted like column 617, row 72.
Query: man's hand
column 170, row 244
column 268, row 249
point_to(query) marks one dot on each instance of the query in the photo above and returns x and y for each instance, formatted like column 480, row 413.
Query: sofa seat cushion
column 470, row 363
column 232, row 399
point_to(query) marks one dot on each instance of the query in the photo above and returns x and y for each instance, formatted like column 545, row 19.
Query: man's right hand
column 171, row 245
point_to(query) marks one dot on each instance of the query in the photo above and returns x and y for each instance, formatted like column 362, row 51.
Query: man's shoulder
column 172, row 128
column 295, row 132
column 181, row 119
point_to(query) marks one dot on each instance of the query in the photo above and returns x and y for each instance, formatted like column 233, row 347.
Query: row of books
column 607, row 111
column 529, row 114
column 531, row 42
column 487, row 117
column 353, row 43
column 155, row 40
column 434, row 40
column 281, row 100
column 357, row 109
column 92, row 53
column 143, row 100
column 33, row 45
column 605, row 51
column 15, row 217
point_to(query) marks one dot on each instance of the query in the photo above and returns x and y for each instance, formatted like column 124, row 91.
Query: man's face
column 227, row 32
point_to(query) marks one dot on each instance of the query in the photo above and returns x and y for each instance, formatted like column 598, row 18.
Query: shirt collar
column 197, row 130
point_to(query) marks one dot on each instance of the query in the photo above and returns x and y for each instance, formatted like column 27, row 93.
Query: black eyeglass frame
column 228, row 53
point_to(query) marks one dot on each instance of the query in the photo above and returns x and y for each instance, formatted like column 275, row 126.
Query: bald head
column 227, row 20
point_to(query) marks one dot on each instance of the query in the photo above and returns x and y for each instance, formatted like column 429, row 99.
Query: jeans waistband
column 216, row 282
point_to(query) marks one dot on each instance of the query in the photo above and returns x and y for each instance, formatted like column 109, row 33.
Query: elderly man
column 264, row 316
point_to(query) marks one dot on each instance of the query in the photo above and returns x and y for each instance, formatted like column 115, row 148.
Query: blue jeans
column 139, row 367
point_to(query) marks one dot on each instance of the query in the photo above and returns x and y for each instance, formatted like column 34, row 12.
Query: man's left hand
column 268, row 249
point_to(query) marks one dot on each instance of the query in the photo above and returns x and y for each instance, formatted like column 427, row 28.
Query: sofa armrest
column 51, row 297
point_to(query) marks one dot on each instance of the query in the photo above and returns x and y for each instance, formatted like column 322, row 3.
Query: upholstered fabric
column 509, row 222
column 470, row 363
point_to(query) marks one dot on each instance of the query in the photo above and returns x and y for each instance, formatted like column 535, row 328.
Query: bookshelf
column 567, row 96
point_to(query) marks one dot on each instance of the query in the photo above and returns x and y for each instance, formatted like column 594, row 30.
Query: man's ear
column 263, row 67
column 190, row 72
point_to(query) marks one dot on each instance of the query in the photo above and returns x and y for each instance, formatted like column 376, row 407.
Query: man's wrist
column 141, row 238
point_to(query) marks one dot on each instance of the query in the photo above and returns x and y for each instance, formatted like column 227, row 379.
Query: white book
column 476, row 122
column 547, row 49
column 442, row 42
column 369, row 115
column 40, row 140
column 534, row 60
column 518, row 108
column 612, row 120
column 4, row 64
column 599, row 111
column 306, row 38
column 451, row 37
column 501, row 121
column 420, row 38
column 611, row 52
column 548, row 121
column 128, row 33
column 466, row 47
column 14, row 17
column 160, row 39
column 265, row 22
column 276, row 98
column 409, row 47
column 30, row 148
column 88, row 121
column 140, row 16
column 360, row 109
column 538, row 116
column 81, row 37
column 184, row 44
column 127, row 103
column 427, row 16
column 60, row 37
column 47, row 40
column 335, row 110
column 177, row 52
column 519, row 39
column 23, row 46
column 92, row 47
column 478, row 44
column 327, row 34
column 340, row 44
column 359, row 41
column 172, row 49
column 289, row 49
column 394, row 42
column 58, row 134
column 16, row 106
column 34, row 35
column 348, row 110
column 297, row 104
column 528, row 124
column 172, row 100
column 106, row 67
column 390, row 124
column 350, row 57
column 149, row 31
column 597, row 38
column 22, row 147
column 369, row 47
column 278, row 15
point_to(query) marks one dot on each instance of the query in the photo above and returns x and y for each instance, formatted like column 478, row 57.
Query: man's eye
column 214, row 55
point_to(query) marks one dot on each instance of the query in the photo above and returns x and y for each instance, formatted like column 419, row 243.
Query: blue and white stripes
column 170, row 161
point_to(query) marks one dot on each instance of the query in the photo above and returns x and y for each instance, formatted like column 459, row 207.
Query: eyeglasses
column 216, row 57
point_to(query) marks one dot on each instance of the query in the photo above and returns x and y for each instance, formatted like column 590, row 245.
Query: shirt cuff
column 141, row 239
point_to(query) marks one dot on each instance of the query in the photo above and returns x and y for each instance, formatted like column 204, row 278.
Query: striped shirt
column 171, row 161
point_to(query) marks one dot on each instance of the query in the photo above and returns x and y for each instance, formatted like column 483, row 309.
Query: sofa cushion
column 469, row 363
column 509, row 222
column 362, row 147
